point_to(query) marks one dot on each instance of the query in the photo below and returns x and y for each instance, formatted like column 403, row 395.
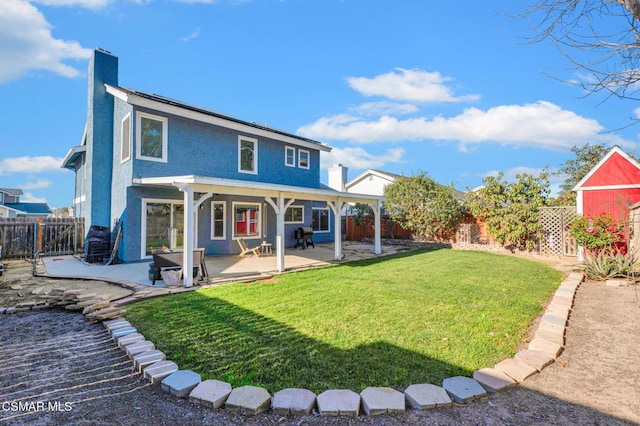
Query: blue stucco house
column 182, row 176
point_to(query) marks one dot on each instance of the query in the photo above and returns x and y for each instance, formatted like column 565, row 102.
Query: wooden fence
column 388, row 229
column 28, row 237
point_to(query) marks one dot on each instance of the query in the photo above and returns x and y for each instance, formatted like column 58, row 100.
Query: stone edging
column 542, row 351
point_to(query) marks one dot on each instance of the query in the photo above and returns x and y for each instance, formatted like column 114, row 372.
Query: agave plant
column 604, row 265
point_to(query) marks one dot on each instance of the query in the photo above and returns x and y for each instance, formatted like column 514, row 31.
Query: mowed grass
column 415, row 317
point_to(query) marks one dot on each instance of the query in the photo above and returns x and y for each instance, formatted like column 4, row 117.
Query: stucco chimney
column 338, row 177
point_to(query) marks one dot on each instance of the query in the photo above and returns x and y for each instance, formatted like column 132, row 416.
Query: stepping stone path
column 293, row 401
column 249, row 400
column 536, row 359
column 382, row 401
column 342, row 402
column 128, row 339
column 180, row 383
column 157, row 372
column 493, row 380
column 139, row 347
column 211, row 393
column 463, row 389
column 147, row 358
column 517, row 370
column 426, row 396
column 119, row 332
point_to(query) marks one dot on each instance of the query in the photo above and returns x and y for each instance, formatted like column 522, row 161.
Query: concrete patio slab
column 211, row 393
column 180, row 383
column 339, row 402
column 293, row 401
column 382, row 400
column 249, row 400
column 516, row 369
column 463, row 389
column 424, row 396
column 493, row 380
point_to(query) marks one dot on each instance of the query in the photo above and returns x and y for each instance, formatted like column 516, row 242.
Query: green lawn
column 415, row 317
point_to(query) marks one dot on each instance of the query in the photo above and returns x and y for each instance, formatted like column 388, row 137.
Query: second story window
column 289, row 156
column 303, row 159
column 152, row 137
column 247, row 155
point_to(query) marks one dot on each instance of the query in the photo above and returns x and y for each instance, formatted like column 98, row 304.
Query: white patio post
column 280, row 208
column 376, row 240
column 189, row 236
column 336, row 207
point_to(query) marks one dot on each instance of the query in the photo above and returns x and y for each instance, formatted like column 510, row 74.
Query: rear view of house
column 175, row 175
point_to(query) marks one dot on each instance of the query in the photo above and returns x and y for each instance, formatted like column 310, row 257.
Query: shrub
column 599, row 234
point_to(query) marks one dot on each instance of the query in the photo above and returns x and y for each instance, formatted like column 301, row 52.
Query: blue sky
column 453, row 89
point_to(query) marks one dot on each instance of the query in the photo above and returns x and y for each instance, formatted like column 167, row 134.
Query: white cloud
column 409, row 85
column 194, row 34
column 39, row 184
column 26, row 43
column 541, row 124
column 359, row 158
column 30, row 165
column 384, row 108
column 28, row 197
column 90, row 4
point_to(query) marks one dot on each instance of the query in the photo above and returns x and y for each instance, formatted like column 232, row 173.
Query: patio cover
column 279, row 197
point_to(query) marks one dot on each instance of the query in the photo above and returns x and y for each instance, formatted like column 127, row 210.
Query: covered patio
column 221, row 269
column 198, row 189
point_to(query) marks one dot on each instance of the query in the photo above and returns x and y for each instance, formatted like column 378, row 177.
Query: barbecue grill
column 304, row 237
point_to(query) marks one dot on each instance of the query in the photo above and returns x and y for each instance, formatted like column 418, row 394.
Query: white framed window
column 289, row 156
column 320, row 219
column 303, row 158
column 125, row 138
column 247, row 220
column 218, row 220
column 294, row 214
column 247, row 155
column 151, row 136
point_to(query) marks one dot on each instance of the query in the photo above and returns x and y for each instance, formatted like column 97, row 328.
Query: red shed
column 611, row 186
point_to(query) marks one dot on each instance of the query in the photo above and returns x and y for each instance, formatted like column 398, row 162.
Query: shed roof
column 616, row 170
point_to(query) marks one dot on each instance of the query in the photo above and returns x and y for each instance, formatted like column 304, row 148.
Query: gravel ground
column 69, row 366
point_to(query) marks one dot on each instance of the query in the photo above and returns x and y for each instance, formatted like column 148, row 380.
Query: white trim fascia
column 615, row 149
column 603, row 187
column 260, row 189
column 198, row 116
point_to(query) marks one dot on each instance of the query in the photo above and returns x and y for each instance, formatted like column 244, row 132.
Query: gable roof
column 371, row 172
column 617, row 168
column 182, row 109
column 11, row 191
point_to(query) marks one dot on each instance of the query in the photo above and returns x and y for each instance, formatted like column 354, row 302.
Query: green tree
column 424, row 207
column 511, row 210
column 575, row 169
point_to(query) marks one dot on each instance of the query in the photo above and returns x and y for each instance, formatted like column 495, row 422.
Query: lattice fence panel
column 556, row 222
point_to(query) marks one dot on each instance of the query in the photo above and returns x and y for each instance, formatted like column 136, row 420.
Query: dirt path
column 57, row 357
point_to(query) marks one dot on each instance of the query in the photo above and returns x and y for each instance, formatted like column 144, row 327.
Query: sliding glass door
column 163, row 225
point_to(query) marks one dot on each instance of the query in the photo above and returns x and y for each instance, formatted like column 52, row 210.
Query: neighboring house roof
column 30, row 208
column 371, row 172
column 183, row 109
column 11, row 191
column 616, row 170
